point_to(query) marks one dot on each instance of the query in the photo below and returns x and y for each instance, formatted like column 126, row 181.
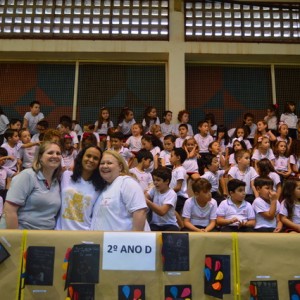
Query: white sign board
column 129, row 251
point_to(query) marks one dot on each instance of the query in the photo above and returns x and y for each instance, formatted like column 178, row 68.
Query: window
column 239, row 21
column 84, row 19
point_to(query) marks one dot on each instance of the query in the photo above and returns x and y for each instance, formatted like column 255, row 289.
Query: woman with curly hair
column 80, row 190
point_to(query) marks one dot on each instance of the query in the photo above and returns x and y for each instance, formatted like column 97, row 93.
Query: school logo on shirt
column 75, row 207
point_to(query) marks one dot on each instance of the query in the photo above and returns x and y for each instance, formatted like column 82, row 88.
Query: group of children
column 237, row 176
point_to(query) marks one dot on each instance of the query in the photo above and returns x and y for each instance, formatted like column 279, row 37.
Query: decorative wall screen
column 84, row 19
column 242, row 21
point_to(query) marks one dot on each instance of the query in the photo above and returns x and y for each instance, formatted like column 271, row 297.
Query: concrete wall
column 175, row 53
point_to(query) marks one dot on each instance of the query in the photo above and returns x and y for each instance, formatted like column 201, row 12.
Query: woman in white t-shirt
column 121, row 206
column 80, row 190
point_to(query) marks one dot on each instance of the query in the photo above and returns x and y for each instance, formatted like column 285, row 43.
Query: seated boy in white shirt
column 162, row 201
column 266, row 206
column 199, row 211
column 144, row 158
column 235, row 214
column 215, row 176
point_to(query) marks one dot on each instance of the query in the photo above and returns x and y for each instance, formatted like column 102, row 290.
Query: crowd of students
column 241, row 179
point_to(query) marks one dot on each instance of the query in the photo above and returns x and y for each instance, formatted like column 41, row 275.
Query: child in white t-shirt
column 203, row 139
column 215, row 176
column 282, row 161
column 164, row 155
column 179, row 177
column 28, row 149
column 32, row 117
column 166, row 127
column 162, row 201
column 191, row 163
column 116, row 141
column 144, row 159
column 249, row 121
column 199, row 211
column 243, row 171
column 290, row 206
column 234, row 214
column 154, row 145
column 5, row 173
column 13, row 150
column 266, row 206
column 183, row 135
column 66, row 128
column 266, row 169
column 134, row 142
column 263, row 150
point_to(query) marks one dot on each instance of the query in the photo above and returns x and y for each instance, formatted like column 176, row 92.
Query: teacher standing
column 121, row 206
column 33, row 199
column 80, row 190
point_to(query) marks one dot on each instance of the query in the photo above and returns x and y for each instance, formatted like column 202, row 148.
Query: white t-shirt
column 214, row 179
column 35, row 138
column 179, row 141
column 78, row 129
column 281, row 163
column 190, row 129
column 276, row 179
column 74, row 136
column 104, row 127
column 253, row 128
column 116, row 204
column 69, row 158
column 272, row 122
column 296, row 212
column 295, row 161
column 4, row 173
column 27, row 156
column 134, row 143
column 167, row 129
column 144, row 178
column 260, row 205
column 232, row 161
column 78, row 199
column 170, row 198
column 33, row 120
column 155, row 151
column 203, row 142
column 290, row 119
column 191, row 165
column 229, row 210
column 179, row 173
column 152, row 122
column 126, row 126
column 125, row 153
column 3, row 123
column 200, row 216
column 257, row 155
column 247, row 176
column 166, row 156
column 15, row 152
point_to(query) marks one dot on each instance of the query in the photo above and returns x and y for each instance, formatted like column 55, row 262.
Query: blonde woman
column 121, row 205
column 33, row 199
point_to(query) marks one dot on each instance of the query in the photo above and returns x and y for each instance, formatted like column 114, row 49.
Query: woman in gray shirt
column 33, row 199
